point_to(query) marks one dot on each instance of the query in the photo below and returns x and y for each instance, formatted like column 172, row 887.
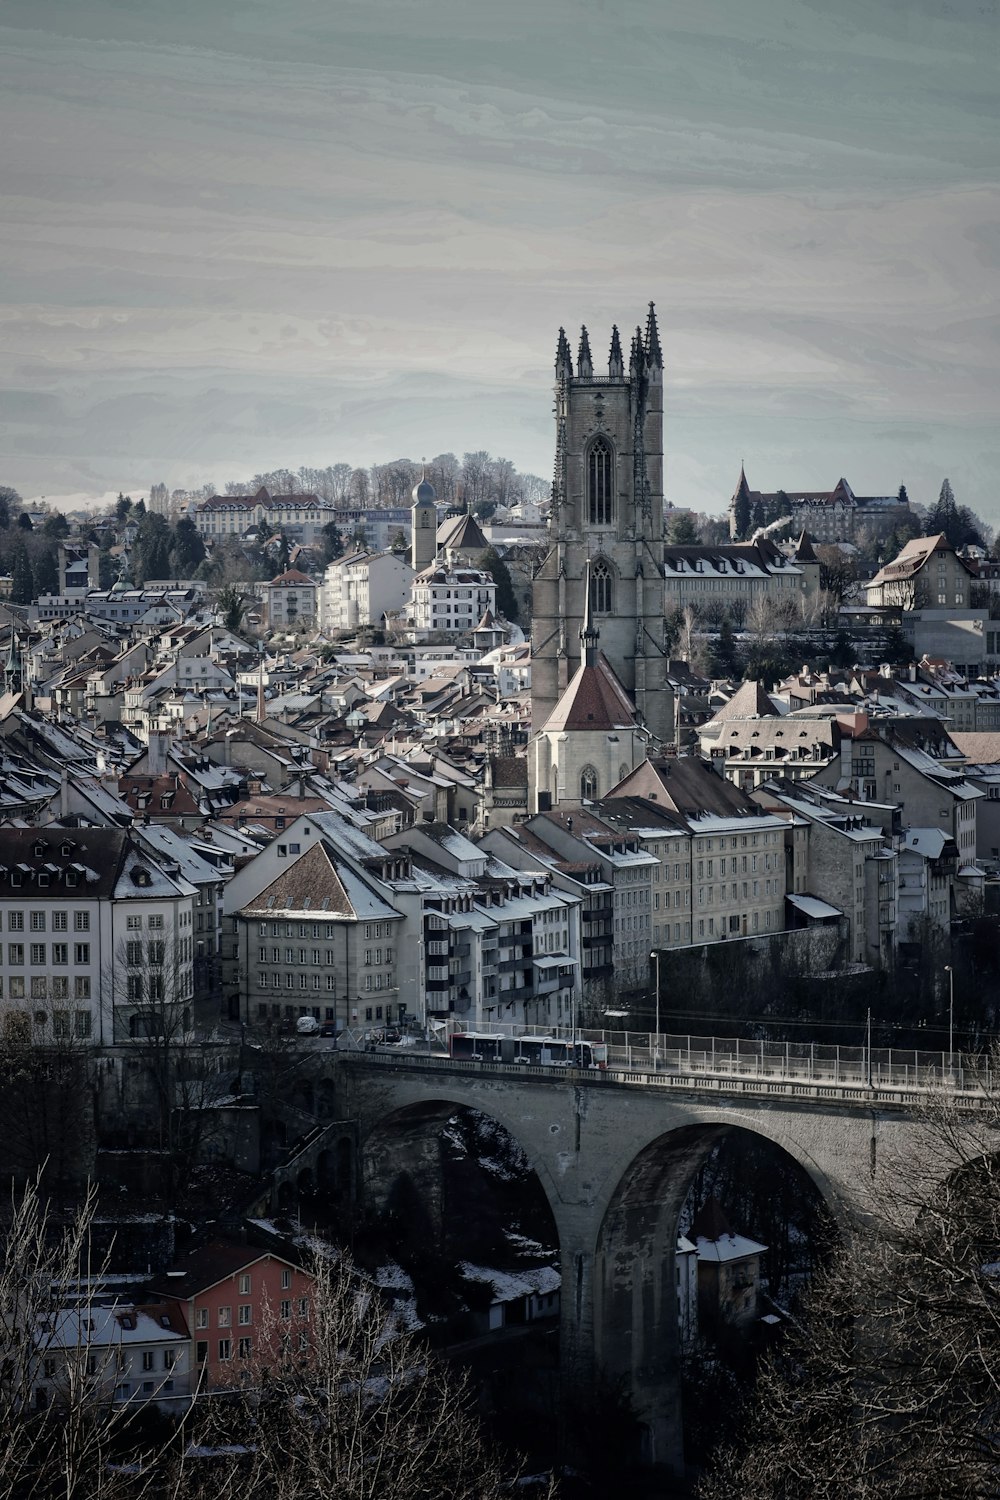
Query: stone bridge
column 615, row 1153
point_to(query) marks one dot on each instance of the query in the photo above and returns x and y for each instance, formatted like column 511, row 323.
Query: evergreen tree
column 46, row 573
column 188, row 549
column 24, row 521
column 681, row 531
column 741, row 517
column 757, row 517
column 943, row 515
column 333, row 542
column 23, row 587
column 283, row 560
column 492, row 562
column 56, row 524
column 723, row 657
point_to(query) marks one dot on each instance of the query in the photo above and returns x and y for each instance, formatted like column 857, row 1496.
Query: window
column 600, row 481
column 39, row 987
column 245, row 1348
column 245, row 1285
column 156, row 923
column 38, row 955
column 169, row 1356
column 147, row 1359
column 225, row 1349
column 303, row 1307
column 201, row 1317
column 133, row 922
column 602, row 595
column 60, row 1023
column 81, row 921
column 15, row 921
column 58, row 921
column 81, row 953
column 245, row 1313
column 225, row 1317
column 15, row 955
column 285, row 1310
column 588, row 784
column 286, row 1280
column 38, row 921
column 81, row 1024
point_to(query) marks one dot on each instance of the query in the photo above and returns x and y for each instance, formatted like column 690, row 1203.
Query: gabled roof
column 462, row 534
column 204, row 1268
column 749, row 701
column 594, row 700
column 290, row 579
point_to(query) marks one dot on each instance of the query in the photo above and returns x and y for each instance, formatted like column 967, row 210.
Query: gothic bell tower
column 606, row 515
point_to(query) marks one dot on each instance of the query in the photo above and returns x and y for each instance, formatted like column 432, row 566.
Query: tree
column 400, row 544
column 353, row 1407
column 681, row 530
column 902, row 496
column 232, row 603
column 24, row 521
column 47, row 1092
column 56, row 524
column 151, row 981
column 333, row 542
column 283, row 557
column 886, row 1387
column 45, row 573
column 742, row 516
column 23, row 585
column 491, row 562
column 9, row 502
column 188, row 549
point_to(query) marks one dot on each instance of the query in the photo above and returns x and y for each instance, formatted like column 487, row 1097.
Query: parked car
column 307, row 1026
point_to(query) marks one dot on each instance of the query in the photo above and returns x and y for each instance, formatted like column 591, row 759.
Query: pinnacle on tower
column 564, row 362
column 616, row 365
column 654, row 354
column 636, row 354
column 584, row 363
column 589, row 633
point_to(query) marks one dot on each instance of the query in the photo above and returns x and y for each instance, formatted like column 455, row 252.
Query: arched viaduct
column 615, row 1158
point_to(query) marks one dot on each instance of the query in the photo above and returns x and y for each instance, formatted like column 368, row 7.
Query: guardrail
column 642, row 1057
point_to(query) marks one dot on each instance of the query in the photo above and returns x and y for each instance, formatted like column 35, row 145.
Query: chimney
column 64, row 793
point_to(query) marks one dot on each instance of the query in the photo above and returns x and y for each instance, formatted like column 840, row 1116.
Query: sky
column 239, row 235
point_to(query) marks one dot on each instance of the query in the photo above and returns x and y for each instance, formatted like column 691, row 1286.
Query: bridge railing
column 788, row 1061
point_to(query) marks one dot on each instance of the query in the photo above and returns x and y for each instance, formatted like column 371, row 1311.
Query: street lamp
column 655, row 956
column 951, row 1019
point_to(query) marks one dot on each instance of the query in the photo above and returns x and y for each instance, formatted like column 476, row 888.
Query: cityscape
column 500, row 952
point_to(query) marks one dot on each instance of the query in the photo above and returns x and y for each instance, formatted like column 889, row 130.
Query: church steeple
column 584, row 363
column 564, row 361
column 589, row 633
column 616, row 365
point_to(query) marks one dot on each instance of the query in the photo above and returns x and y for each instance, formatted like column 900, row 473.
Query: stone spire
column 616, row 365
column 584, row 363
column 589, row 633
column 564, row 361
column 636, row 355
column 654, row 355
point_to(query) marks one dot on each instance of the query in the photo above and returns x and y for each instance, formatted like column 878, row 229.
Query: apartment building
column 98, row 937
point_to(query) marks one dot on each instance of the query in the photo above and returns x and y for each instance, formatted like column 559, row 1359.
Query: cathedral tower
column 606, row 515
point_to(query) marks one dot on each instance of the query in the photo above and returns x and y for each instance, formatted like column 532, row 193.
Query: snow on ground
column 508, row 1285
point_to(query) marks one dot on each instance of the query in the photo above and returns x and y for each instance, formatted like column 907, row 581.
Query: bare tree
column 176, row 1081
column 889, row 1387
column 347, row 1404
column 46, row 1093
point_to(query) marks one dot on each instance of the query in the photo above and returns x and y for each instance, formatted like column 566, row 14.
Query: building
column 98, row 937
column 127, row 1352
column 290, row 600
column 300, row 517
column 836, row 515
column 448, row 600
column 605, row 532
column 728, row 1271
column 592, row 738
column 739, row 575
column 245, row 1308
column 359, row 588
column 927, row 574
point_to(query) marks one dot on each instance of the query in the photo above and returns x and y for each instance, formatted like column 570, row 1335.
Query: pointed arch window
column 600, row 483
column 602, row 588
column 588, row 784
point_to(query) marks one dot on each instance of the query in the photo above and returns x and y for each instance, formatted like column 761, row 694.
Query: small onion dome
column 424, row 493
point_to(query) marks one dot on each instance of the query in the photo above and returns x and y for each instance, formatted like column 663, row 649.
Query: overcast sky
column 239, row 234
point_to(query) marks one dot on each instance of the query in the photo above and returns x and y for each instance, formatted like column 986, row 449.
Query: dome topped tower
column 423, row 526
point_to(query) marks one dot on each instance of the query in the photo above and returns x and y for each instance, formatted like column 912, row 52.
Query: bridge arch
column 636, row 1336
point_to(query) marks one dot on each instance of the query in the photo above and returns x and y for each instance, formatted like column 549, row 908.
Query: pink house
column 245, row 1307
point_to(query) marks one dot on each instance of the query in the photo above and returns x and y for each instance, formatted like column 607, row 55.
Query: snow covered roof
column 812, row 906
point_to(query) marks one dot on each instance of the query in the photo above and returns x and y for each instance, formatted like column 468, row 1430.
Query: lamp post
column 951, row 1019
column 655, row 956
